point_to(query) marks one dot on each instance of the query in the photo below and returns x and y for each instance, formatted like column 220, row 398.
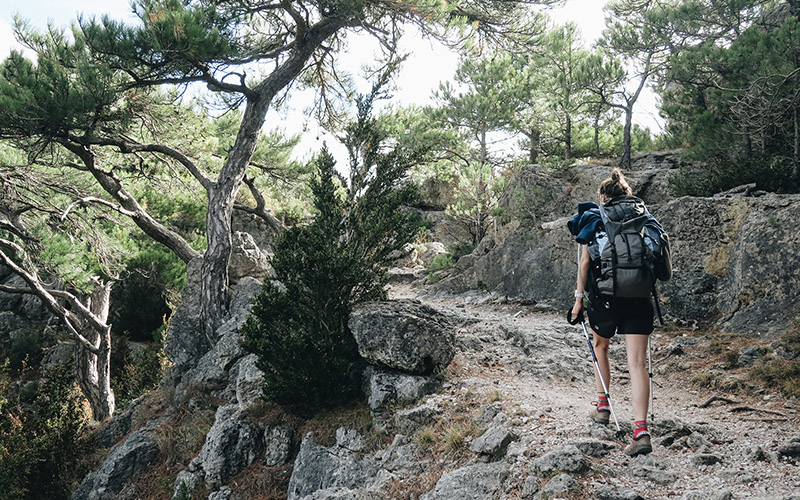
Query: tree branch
column 113, row 186
column 38, row 289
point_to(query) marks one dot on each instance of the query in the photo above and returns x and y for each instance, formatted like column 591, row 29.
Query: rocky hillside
column 477, row 388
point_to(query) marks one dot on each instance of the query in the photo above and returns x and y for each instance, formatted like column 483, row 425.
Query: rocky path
column 538, row 371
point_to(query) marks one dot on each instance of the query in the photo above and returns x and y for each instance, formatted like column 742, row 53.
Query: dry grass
column 156, row 483
column 412, row 488
column 262, row 483
column 182, row 436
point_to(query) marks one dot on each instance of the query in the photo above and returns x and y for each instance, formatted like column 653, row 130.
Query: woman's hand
column 577, row 307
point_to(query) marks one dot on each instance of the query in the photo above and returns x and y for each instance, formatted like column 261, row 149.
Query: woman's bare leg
column 636, row 348
column 601, row 351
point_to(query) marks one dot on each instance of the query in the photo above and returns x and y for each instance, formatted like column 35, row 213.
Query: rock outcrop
column 729, row 254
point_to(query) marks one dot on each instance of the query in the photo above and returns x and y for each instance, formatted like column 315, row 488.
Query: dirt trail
column 542, row 369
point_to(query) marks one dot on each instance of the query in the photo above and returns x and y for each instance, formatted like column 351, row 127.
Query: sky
column 429, row 64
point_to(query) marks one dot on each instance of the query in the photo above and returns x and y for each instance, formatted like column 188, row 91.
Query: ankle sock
column 640, row 429
column 602, row 403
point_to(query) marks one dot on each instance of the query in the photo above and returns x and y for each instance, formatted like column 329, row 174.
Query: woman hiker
column 631, row 317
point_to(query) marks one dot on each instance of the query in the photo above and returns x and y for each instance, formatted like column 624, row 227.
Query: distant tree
column 733, row 93
column 635, row 34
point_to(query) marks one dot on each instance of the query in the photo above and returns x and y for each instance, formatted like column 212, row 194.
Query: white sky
column 429, row 64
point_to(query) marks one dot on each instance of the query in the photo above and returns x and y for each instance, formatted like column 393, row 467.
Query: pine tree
column 298, row 327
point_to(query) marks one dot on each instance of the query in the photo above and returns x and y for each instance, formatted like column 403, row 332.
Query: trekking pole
column 650, row 375
column 594, row 358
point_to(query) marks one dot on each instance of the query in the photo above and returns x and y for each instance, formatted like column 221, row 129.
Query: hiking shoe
column 600, row 416
column 639, row 446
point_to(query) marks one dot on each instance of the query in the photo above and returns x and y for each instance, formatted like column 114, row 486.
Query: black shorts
column 625, row 316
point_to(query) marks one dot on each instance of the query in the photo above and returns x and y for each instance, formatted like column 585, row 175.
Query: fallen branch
column 718, row 398
column 759, row 410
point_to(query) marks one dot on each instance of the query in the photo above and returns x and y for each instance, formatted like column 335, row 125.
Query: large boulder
column 247, row 259
column 121, row 464
column 731, row 261
column 404, row 335
column 216, row 371
column 231, row 445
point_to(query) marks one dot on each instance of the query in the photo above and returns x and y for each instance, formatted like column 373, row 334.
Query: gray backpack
column 631, row 253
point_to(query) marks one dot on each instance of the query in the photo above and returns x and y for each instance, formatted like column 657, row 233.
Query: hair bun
column 616, row 175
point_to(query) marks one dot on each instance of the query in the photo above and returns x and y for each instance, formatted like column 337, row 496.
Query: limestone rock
column 473, row 482
column 559, row 486
column 616, row 494
column 404, row 335
column 318, row 468
column 277, row 446
column 493, row 442
column 648, row 468
column 185, row 342
column 706, row 459
column 567, row 458
column 247, row 259
column 212, row 374
column 595, row 447
column 224, row 493
column 411, row 420
column 486, row 415
column 344, row 494
column 249, row 382
column 790, row 449
column 231, row 445
column 748, row 355
column 401, row 457
column 529, row 488
column 384, row 388
column 121, row 464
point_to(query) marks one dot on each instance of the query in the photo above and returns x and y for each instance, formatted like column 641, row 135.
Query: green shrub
column 441, row 262
column 25, row 349
column 134, row 373
column 768, row 174
column 460, row 249
column 299, row 329
column 43, row 443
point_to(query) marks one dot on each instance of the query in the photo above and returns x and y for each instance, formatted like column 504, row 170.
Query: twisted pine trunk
column 94, row 369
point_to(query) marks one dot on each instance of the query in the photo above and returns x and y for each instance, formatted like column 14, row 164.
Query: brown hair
column 614, row 186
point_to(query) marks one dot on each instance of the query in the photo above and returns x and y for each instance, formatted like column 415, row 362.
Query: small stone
column 562, row 484
column 486, row 415
column 755, row 454
column 530, row 487
column 648, row 468
column 616, row 494
column 696, row 440
column 493, row 442
column 706, row 459
column 790, row 449
column 567, row 458
column 594, row 447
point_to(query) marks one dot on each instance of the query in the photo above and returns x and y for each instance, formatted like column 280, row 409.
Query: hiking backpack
column 630, row 252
